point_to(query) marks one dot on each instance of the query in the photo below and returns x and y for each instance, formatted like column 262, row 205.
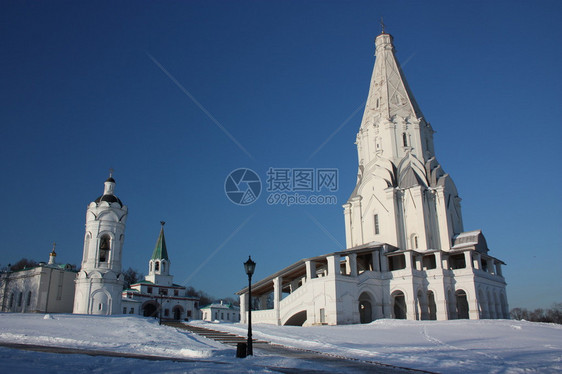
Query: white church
column 407, row 256
column 99, row 283
column 157, row 294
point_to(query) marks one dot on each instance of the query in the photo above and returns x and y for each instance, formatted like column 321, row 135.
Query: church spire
column 389, row 94
column 159, row 263
column 160, row 252
column 393, row 126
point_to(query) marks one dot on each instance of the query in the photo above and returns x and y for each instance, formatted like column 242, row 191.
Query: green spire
column 160, row 251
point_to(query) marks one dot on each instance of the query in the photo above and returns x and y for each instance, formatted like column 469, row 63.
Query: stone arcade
column 407, row 254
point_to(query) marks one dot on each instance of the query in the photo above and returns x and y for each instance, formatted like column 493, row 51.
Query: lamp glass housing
column 250, row 266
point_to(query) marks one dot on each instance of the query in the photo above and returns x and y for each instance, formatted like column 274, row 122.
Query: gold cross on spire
column 162, row 223
column 111, row 172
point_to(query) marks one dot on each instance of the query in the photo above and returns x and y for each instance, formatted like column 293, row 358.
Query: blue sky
column 83, row 91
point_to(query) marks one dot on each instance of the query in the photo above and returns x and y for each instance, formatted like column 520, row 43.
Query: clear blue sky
column 81, row 94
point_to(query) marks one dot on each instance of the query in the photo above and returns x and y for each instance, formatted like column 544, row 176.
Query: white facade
column 408, row 255
column 157, row 295
column 46, row 288
column 220, row 312
column 99, row 282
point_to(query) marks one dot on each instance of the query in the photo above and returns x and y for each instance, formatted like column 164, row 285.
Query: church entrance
column 177, row 312
column 431, row 305
column 150, row 309
column 462, row 304
column 399, row 307
column 365, row 308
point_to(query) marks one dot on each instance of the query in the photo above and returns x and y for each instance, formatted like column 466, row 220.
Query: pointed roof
column 389, row 93
column 160, row 251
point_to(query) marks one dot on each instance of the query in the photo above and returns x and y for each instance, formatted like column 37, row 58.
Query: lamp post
column 160, row 291
column 249, row 266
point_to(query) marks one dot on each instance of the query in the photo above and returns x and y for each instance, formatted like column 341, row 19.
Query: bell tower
column 159, row 264
column 99, row 282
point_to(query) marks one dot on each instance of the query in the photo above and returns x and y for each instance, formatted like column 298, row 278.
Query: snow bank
column 460, row 346
column 131, row 334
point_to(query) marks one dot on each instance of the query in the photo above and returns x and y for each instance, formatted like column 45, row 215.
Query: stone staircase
column 219, row 336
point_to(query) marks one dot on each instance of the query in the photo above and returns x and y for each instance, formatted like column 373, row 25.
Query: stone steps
column 220, row 336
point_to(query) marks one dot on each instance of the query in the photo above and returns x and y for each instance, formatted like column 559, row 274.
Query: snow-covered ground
column 459, row 346
column 452, row 346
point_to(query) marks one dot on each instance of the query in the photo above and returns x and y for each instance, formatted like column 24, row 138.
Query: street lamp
column 161, row 292
column 249, row 266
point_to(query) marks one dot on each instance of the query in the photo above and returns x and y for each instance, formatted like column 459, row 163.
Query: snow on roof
column 220, row 306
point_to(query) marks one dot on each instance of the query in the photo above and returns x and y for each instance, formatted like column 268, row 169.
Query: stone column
column 348, row 225
column 499, row 269
column 473, row 310
column 310, row 270
column 384, row 262
column 352, row 264
column 467, row 259
column 376, row 261
column 243, row 308
column 477, row 261
column 277, row 294
column 441, row 305
column 439, row 261
column 408, row 258
column 333, row 269
column 356, row 220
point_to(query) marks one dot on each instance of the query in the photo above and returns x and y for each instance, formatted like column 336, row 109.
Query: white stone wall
column 43, row 289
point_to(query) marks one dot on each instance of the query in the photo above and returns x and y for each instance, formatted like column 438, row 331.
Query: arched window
column 462, row 305
column 104, row 248
column 399, row 305
column 87, row 244
column 163, row 266
column 405, row 139
column 28, row 301
column 157, row 266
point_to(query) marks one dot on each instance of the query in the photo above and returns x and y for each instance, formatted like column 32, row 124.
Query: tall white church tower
column 407, row 254
column 402, row 197
column 99, row 282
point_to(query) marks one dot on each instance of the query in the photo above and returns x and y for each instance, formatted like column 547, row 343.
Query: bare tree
column 24, row 263
column 552, row 315
column 131, row 276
